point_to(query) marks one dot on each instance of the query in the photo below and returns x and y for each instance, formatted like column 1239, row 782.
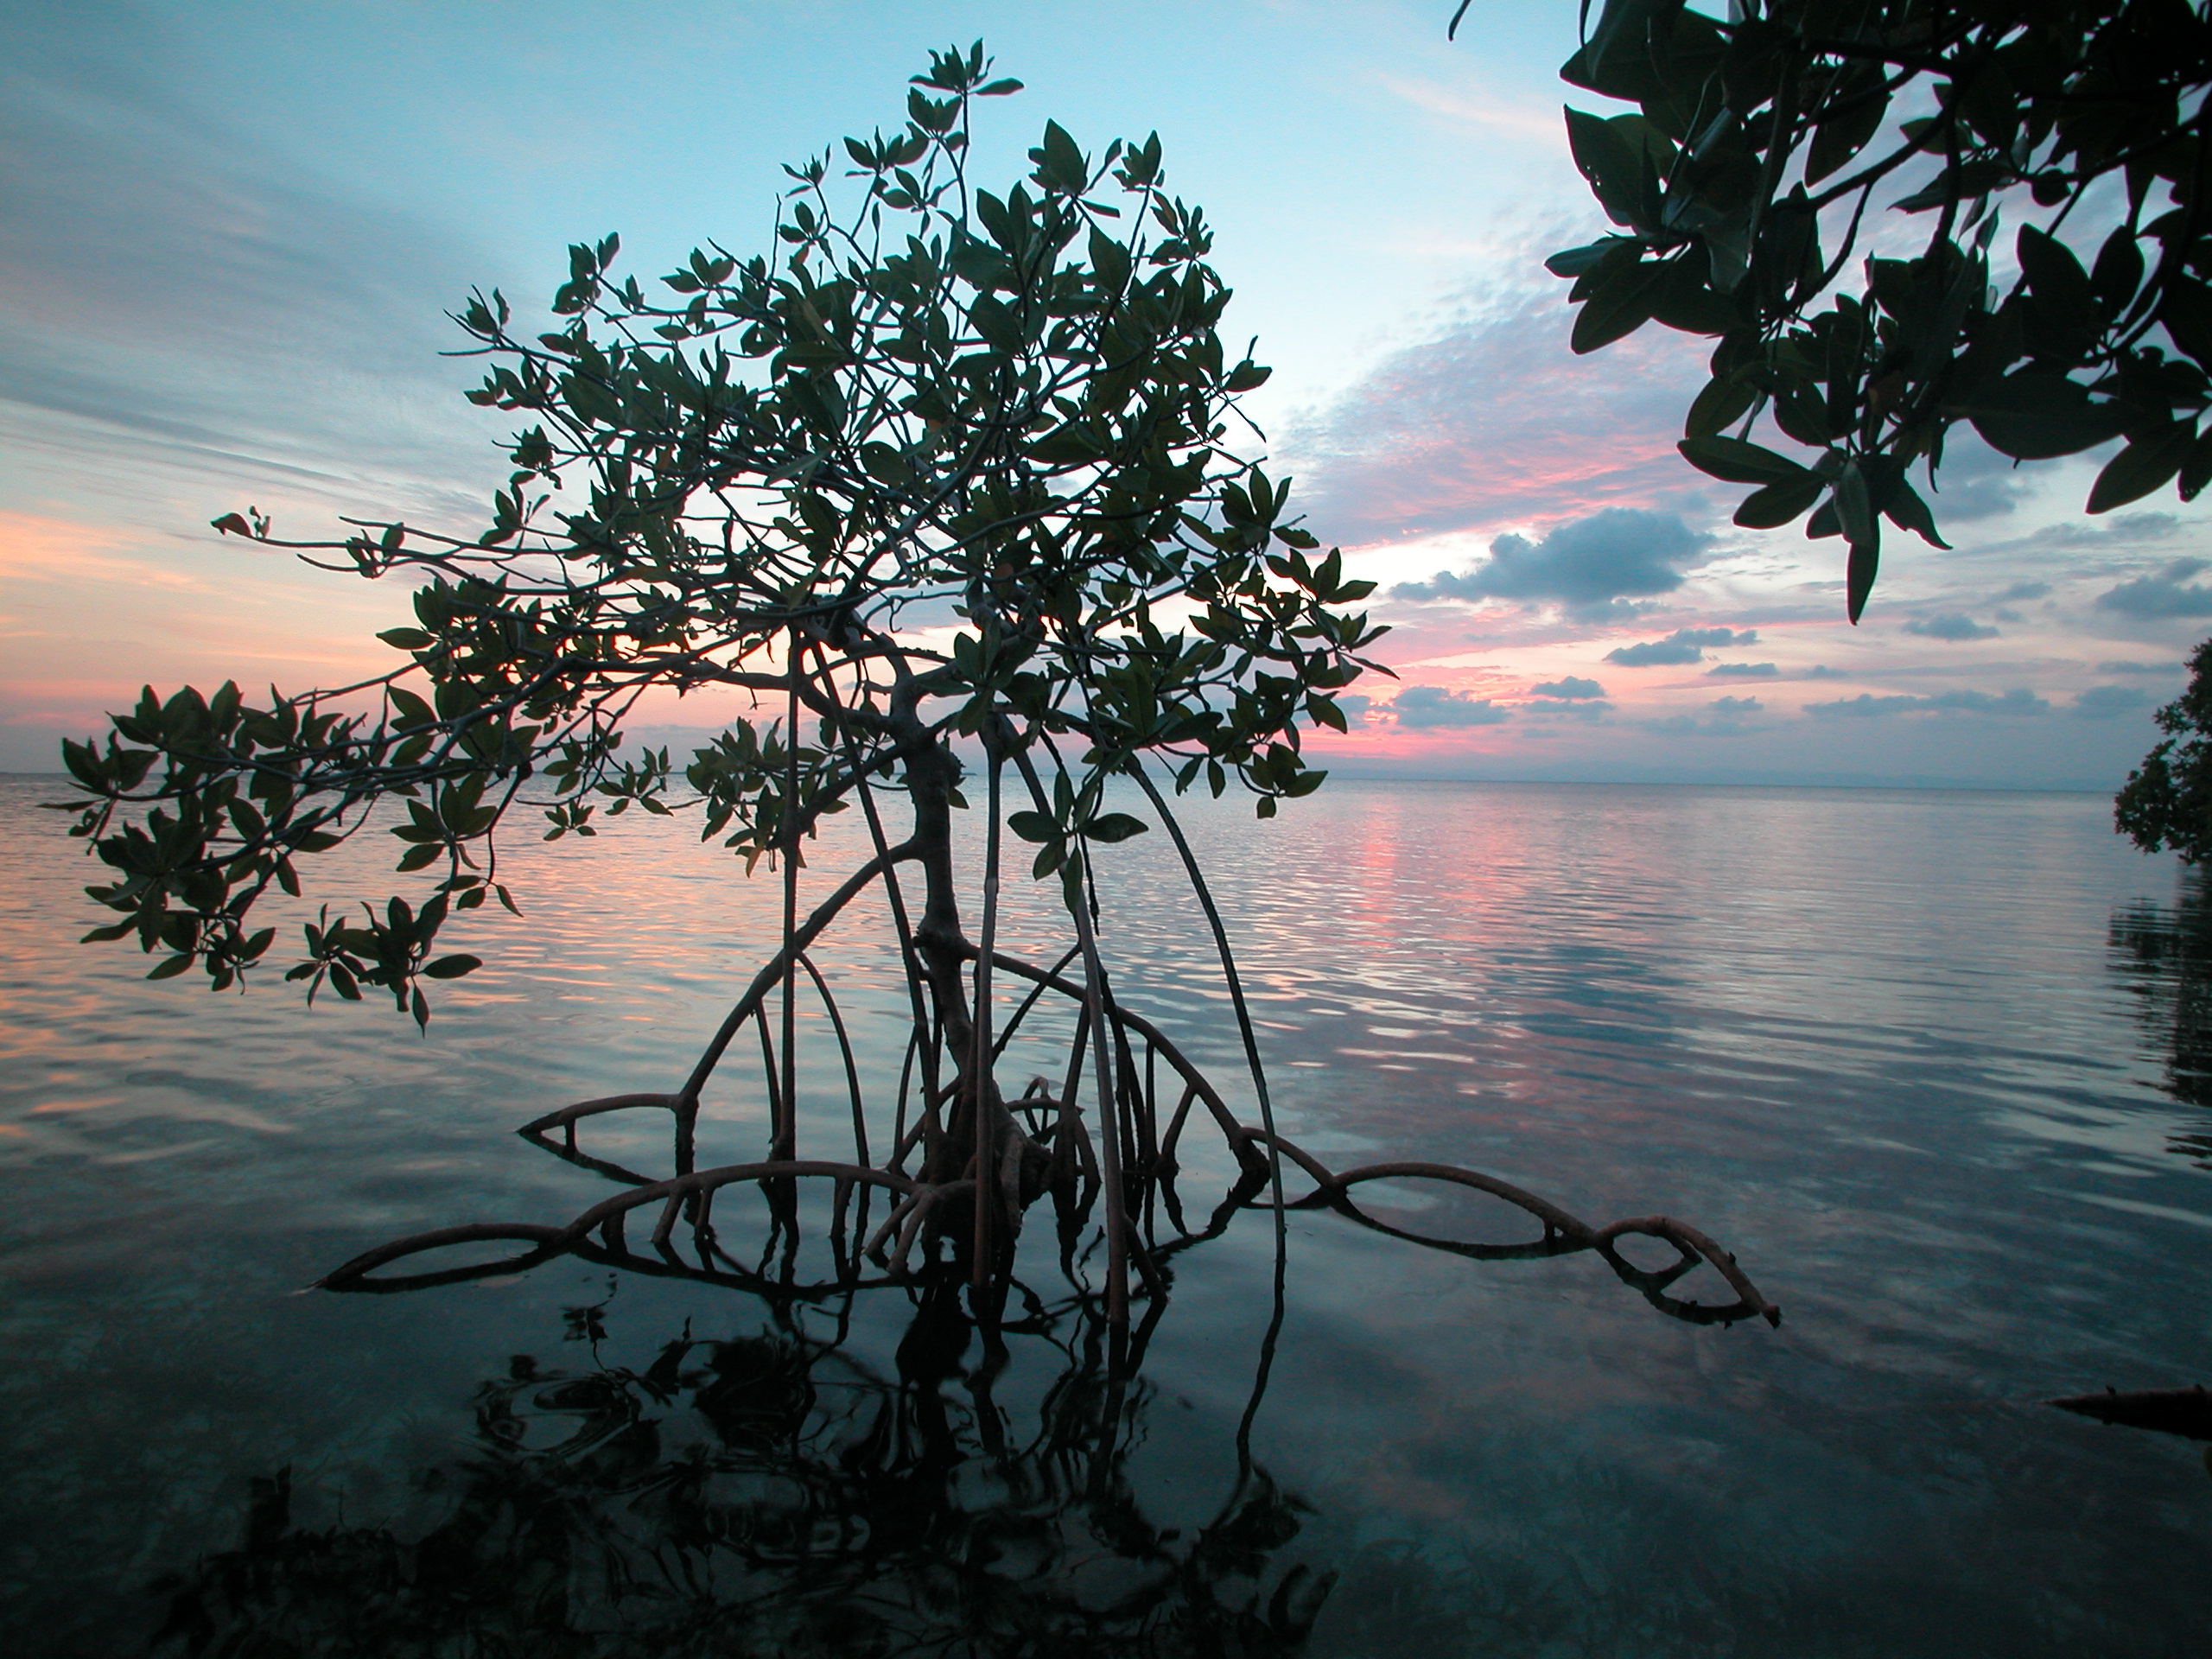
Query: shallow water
column 1932, row 1065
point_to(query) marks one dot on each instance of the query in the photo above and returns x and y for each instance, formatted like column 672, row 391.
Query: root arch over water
column 962, row 1168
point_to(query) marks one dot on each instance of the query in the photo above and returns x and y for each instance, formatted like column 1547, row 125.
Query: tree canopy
column 2167, row 801
column 949, row 477
column 1769, row 148
column 946, row 463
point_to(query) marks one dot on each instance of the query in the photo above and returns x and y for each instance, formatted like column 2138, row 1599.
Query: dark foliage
column 1771, row 147
column 2167, row 801
column 770, row 1494
column 945, row 463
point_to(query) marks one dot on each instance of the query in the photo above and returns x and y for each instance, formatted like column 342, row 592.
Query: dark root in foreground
column 938, row 1215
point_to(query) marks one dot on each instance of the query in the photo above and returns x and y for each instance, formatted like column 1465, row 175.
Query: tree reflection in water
column 2165, row 958
column 774, row 1493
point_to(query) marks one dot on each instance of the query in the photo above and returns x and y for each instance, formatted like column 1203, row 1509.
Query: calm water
column 1934, row 1066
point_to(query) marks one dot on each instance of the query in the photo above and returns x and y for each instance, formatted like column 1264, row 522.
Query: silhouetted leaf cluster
column 2167, row 801
column 1767, row 146
column 946, row 462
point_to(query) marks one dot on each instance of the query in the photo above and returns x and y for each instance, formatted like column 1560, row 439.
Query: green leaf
column 1906, row 509
column 1859, row 576
column 2055, row 275
column 1059, row 162
column 998, row 326
column 1739, row 462
column 2196, row 471
column 1854, row 509
column 1836, row 140
column 2187, row 313
column 410, row 709
column 1032, row 826
column 1572, row 262
column 171, row 967
column 452, row 967
column 1725, row 400
column 1682, row 301
column 1070, row 445
column 1612, row 158
column 1780, row 504
column 2119, row 271
column 2142, row 466
column 407, row 638
column 2038, row 415
column 1115, row 826
column 1620, row 305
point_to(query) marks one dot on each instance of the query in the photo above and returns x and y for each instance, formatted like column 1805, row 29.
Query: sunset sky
column 230, row 232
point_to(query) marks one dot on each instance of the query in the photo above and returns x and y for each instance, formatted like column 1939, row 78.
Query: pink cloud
column 1495, row 421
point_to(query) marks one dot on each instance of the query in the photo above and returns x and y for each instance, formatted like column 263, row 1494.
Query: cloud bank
column 1427, row 708
column 1586, row 564
column 1953, row 625
column 1682, row 646
column 2166, row 595
column 1494, row 420
column 2019, row 702
column 2104, row 702
column 183, row 297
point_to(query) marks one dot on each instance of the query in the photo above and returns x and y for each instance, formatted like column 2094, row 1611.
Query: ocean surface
column 1936, row 1068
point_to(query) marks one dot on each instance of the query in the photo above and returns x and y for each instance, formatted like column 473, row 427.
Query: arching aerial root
column 599, row 1233
column 1564, row 1234
column 1053, row 1143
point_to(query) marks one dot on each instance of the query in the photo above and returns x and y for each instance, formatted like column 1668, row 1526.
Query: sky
column 229, row 234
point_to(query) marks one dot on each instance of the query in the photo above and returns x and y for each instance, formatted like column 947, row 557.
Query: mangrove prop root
column 891, row 1246
column 1564, row 1234
column 1121, row 1146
